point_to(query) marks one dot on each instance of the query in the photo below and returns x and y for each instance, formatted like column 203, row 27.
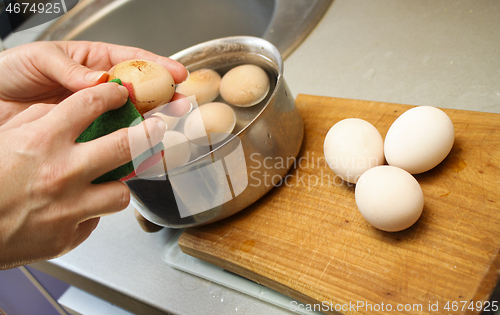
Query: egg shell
column 151, row 84
column 419, row 139
column 244, row 85
column 353, row 146
column 209, row 124
column 177, row 149
column 203, row 84
column 389, row 198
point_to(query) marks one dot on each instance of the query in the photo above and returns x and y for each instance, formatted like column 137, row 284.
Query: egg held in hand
column 150, row 85
column 353, row 146
column 389, row 198
column 209, row 124
column 110, row 121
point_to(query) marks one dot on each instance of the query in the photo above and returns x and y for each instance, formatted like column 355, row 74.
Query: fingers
column 60, row 67
column 179, row 106
column 96, row 201
column 10, row 110
column 83, row 231
column 104, row 154
column 103, row 199
column 73, row 115
column 146, row 135
column 103, row 56
column 97, row 157
column 30, row 114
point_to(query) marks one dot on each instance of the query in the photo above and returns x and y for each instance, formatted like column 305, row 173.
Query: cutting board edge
column 490, row 280
column 248, row 274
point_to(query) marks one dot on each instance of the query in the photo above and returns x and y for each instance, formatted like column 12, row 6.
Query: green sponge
column 125, row 116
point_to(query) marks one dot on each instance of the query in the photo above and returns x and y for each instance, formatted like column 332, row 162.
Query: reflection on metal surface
column 174, row 25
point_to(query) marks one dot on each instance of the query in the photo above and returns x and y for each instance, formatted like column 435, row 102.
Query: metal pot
column 266, row 140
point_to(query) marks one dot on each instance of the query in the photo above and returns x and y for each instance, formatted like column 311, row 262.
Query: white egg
column 353, row 146
column 419, row 139
column 203, row 84
column 170, row 121
column 209, row 124
column 244, row 85
column 177, row 149
column 389, row 198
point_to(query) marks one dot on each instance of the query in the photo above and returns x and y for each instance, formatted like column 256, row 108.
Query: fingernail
column 155, row 133
column 159, row 120
column 123, row 89
column 162, row 125
column 96, row 76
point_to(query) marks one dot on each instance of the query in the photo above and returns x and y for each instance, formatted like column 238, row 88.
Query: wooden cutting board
column 306, row 238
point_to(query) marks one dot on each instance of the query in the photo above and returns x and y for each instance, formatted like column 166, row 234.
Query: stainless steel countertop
column 441, row 53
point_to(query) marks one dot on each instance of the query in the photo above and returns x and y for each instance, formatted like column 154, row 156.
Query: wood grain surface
column 306, row 238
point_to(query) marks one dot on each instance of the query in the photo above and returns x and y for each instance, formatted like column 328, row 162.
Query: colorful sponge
column 125, row 116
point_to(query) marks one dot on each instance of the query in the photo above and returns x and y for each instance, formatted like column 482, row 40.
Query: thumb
column 71, row 74
column 78, row 77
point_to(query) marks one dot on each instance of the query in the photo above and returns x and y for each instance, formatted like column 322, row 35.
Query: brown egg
column 150, row 85
column 244, row 85
column 203, row 84
column 209, row 124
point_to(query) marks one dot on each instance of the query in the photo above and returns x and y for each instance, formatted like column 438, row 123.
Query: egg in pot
column 209, row 124
column 245, row 85
column 177, row 149
column 203, row 84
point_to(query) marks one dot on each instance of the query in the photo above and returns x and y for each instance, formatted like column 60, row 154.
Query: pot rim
column 243, row 41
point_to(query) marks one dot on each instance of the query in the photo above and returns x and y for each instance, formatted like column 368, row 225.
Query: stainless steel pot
column 263, row 147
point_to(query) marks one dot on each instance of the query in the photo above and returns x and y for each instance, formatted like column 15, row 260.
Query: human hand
column 48, row 204
column 48, row 72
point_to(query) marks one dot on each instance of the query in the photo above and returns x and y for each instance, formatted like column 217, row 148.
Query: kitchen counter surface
column 440, row 53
